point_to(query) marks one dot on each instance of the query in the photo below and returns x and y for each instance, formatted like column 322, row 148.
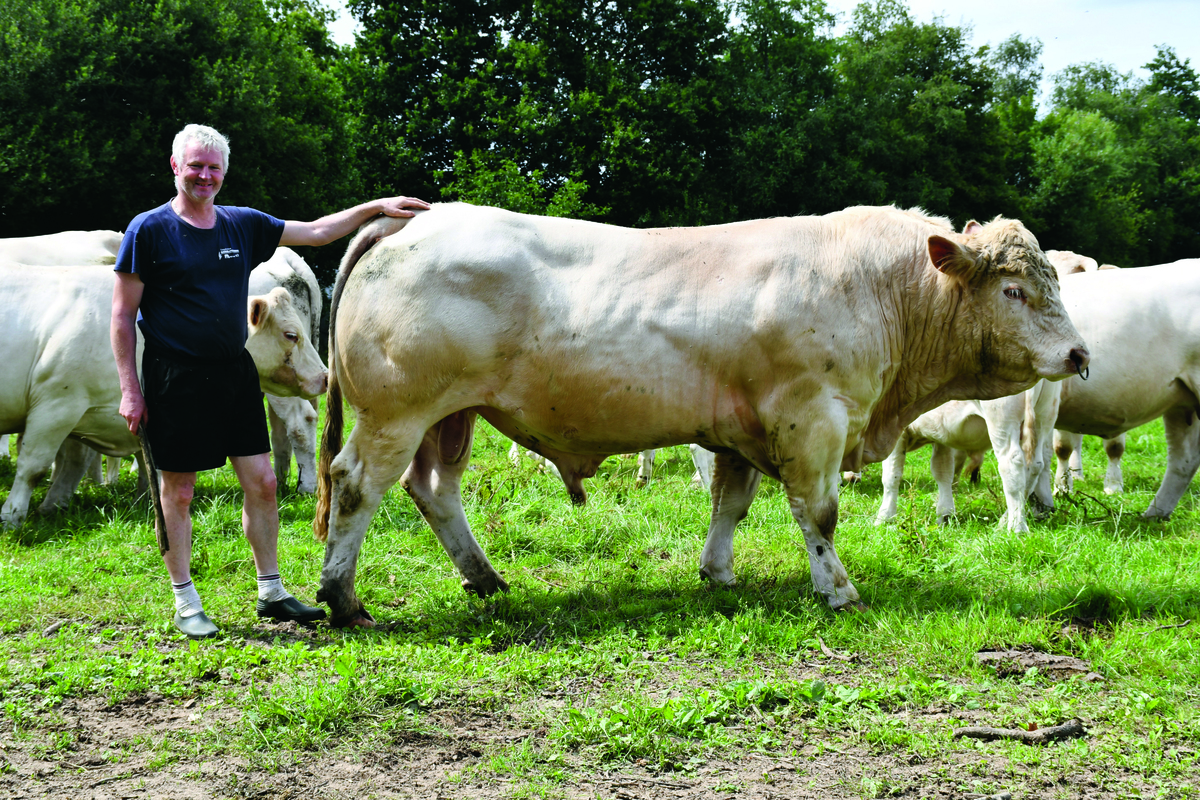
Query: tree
column 93, row 91
column 617, row 95
column 911, row 119
column 1117, row 164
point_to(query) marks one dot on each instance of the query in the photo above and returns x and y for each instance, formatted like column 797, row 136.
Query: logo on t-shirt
column 229, row 252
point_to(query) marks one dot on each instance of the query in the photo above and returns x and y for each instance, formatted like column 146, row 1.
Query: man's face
column 202, row 172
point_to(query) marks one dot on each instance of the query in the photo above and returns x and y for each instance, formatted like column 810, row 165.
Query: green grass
column 608, row 652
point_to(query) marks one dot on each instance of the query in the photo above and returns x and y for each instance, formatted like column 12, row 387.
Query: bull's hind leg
column 734, row 483
column 1182, row 428
column 371, row 462
column 1068, row 448
column 1114, row 448
column 433, row 481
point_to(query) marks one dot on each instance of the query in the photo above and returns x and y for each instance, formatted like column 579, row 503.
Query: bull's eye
column 1014, row 293
column 291, row 337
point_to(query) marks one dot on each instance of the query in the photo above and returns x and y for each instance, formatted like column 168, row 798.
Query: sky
column 1119, row 32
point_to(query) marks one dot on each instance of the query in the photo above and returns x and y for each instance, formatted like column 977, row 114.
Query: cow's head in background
column 287, row 363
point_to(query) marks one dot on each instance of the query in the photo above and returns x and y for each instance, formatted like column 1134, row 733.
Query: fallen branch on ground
column 1068, row 730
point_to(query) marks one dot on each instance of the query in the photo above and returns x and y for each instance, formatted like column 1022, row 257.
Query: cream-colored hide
column 69, row 248
column 293, row 419
column 791, row 346
column 1145, row 337
column 1019, row 428
column 58, row 376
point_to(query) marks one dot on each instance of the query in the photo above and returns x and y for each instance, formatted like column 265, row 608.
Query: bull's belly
column 598, row 433
column 104, row 430
column 1096, row 411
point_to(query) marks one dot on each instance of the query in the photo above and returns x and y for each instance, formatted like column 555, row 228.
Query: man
column 182, row 275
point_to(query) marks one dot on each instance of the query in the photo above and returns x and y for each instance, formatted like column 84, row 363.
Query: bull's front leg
column 941, row 467
column 809, row 459
column 734, row 483
column 893, row 477
column 1043, row 400
column 46, row 426
column 1005, row 417
column 645, row 468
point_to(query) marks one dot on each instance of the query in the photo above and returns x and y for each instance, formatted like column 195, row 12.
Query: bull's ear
column 972, row 228
column 950, row 257
column 282, row 297
column 258, row 311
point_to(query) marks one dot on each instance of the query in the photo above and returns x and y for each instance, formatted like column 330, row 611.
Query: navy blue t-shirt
column 197, row 280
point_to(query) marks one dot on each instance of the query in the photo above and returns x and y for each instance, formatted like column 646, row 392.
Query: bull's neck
column 927, row 357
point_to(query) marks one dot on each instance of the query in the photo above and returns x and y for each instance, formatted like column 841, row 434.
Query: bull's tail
column 331, row 437
column 1029, row 425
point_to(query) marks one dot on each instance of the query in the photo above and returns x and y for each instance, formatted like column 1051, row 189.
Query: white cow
column 69, row 248
column 1145, row 336
column 795, row 347
column 293, row 419
column 1019, row 428
column 58, row 377
column 60, row 249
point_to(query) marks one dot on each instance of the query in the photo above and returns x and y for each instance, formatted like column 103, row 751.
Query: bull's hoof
column 641, row 483
column 362, row 619
column 486, row 587
column 714, row 580
column 945, row 519
column 853, row 607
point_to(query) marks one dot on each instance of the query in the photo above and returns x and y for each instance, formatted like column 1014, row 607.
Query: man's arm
column 127, row 296
column 335, row 226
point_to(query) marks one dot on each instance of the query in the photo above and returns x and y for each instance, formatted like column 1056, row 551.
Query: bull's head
column 1014, row 310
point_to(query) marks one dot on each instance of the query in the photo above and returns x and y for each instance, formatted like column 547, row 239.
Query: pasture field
column 610, row 670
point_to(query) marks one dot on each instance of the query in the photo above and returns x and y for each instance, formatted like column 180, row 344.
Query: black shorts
column 202, row 412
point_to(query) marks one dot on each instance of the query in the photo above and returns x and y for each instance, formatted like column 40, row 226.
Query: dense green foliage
column 631, row 112
column 92, row 93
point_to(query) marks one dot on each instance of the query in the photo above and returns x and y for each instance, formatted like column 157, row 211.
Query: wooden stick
column 160, row 521
column 1068, row 730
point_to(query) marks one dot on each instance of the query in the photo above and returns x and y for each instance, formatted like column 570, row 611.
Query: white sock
column 187, row 599
column 270, row 588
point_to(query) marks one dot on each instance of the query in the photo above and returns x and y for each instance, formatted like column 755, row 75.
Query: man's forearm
column 123, row 333
column 331, row 227
column 335, row 226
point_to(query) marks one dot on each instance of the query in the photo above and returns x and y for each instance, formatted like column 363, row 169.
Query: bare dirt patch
column 90, row 750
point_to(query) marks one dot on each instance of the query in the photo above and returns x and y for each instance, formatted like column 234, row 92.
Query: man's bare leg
column 177, row 490
column 260, row 522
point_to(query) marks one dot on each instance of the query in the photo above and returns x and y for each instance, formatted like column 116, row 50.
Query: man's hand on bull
column 133, row 410
column 402, row 206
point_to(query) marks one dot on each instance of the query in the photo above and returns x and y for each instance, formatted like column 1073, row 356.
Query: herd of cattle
column 797, row 348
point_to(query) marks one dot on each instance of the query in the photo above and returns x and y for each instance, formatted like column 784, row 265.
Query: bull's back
column 1144, row 337
column 583, row 330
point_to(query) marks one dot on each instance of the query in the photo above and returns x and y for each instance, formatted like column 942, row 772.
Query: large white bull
column 1144, row 331
column 792, row 346
column 293, row 419
column 58, row 377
